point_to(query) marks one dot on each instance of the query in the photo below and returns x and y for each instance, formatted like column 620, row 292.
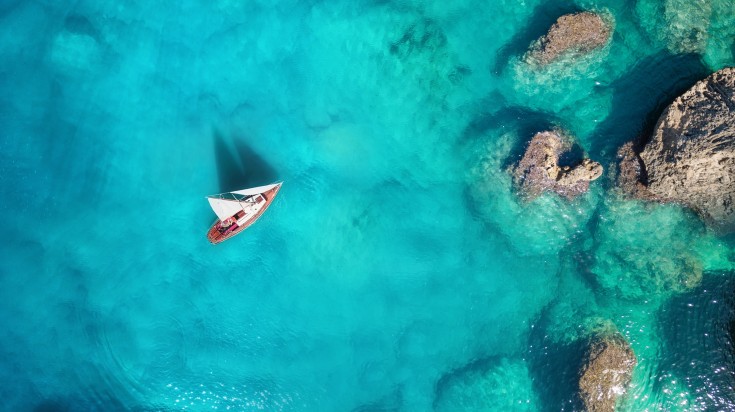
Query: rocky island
column 690, row 157
column 606, row 372
column 539, row 170
column 572, row 34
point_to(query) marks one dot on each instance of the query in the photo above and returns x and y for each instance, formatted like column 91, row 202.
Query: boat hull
column 218, row 232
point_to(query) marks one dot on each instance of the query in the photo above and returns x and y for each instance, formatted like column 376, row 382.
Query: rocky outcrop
column 690, row 158
column 606, row 372
column 539, row 170
column 575, row 33
column 631, row 173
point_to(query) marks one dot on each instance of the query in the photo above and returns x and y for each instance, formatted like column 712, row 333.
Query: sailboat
column 237, row 210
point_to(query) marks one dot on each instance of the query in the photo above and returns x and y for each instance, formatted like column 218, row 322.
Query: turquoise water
column 396, row 270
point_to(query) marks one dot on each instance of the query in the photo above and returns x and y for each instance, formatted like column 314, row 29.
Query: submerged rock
column 424, row 36
column 575, row 33
column 686, row 24
column 690, row 159
column 539, row 170
column 504, row 383
column 606, row 372
column 644, row 253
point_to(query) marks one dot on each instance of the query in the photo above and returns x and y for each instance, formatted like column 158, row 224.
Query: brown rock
column 690, row 159
column 631, row 173
column 606, row 372
column 539, row 170
column 575, row 33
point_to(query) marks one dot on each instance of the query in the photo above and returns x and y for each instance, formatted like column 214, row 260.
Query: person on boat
column 226, row 225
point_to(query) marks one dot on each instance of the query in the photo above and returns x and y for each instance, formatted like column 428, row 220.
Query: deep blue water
column 397, row 270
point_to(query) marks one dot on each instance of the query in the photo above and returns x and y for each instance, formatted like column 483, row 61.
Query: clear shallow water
column 396, row 270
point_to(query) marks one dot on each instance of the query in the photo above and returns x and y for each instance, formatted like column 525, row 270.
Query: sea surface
column 397, row 270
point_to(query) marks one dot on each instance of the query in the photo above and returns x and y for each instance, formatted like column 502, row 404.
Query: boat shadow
column 238, row 165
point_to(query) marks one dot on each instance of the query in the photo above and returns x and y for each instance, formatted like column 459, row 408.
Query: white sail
column 224, row 208
column 255, row 190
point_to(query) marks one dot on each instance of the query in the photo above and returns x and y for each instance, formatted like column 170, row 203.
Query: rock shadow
column 698, row 330
column 638, row 101
column 526, row 122
column 555, row 368
column 573, row 156
column 477, row 367
column 239, row 166
column 542, row 18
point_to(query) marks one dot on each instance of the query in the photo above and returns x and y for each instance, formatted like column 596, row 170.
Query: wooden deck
column 218, row 233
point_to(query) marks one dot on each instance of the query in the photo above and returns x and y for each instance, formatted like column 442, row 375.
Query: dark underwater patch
column 697, row 328
column 424, row 36
column 640, row 96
